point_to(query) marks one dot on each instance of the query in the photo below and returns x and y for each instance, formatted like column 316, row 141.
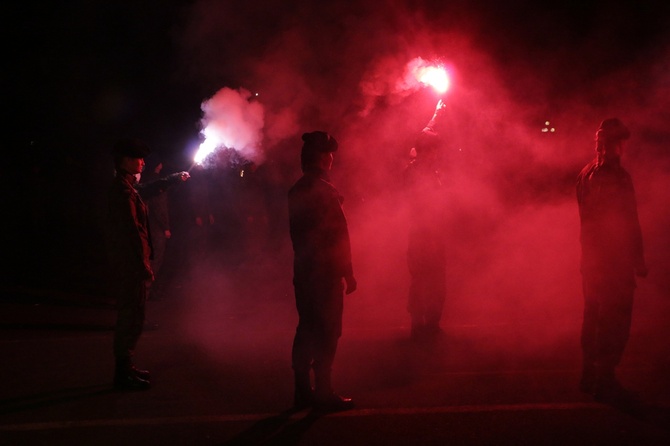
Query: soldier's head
column 129, row 155
column 317, row 151
column 610, row 137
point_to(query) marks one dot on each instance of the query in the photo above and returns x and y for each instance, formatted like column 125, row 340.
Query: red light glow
column 433, row 76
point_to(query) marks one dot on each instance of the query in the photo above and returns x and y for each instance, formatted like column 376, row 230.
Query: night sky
column 92, row 70
column 79, row 75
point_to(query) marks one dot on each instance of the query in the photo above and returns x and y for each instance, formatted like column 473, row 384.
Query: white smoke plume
column 232, row 119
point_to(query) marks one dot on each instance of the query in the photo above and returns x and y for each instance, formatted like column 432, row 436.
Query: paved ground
column 222, row 377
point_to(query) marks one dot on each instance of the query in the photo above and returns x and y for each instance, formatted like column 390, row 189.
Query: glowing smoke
column 420, row 72
column 394, row 79
column 513, row 249
column 233, row 120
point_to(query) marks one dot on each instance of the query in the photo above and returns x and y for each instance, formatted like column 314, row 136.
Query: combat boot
column 332, row 402
column 125, row 378
column 325, row 400
column 587, row 383
column 609, row 391
column 143, row 374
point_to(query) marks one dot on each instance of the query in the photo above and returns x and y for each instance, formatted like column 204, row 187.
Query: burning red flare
column 421, row 73
column 433, row 76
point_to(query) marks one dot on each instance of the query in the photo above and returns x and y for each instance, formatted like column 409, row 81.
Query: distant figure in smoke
column 252, row 211
column 612, row 256
column 322, row 260
column 202, row 216
column 153, row 189
column 426, row 253
column 129, row 250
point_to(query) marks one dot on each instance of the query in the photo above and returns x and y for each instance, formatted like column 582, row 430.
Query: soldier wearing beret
column 129, row 252
column 612, row 255
column 322, row 273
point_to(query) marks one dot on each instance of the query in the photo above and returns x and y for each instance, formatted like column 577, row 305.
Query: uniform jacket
column 611, row 237
column 318, row 228
column 128, row 240
column 427, row 208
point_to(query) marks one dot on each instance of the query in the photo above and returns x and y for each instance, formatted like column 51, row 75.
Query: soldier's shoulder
column 121, row 188
column 589, row 167
column 587, row 171
column 301, row 183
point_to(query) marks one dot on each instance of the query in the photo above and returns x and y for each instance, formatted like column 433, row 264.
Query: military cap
column 133, row 148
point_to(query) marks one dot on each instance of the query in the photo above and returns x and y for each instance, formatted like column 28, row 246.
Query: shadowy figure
column 153, row 189
column 612, row 255
column 251, row 213
column 201, row 215
column 426, row 252
column 322, row 259
column 129, row 251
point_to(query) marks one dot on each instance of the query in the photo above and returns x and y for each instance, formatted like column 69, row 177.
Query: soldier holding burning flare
column 129, row 250
column 426, row 251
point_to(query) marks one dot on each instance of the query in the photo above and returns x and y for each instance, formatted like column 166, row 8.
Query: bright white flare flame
column 231, row 120
column 433, row 76
column 206, row 147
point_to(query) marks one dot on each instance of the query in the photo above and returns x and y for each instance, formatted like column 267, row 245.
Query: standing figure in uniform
column 129, row 250
column 322, row 272
column 426, row 252
column 612, row 256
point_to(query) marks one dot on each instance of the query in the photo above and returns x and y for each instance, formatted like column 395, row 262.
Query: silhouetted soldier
column 612, row 256
column 129, row 249
column 426, row 253
column 322, row 260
